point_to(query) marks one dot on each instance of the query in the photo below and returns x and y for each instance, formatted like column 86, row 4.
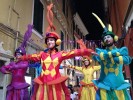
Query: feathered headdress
column 107, row 31
column 23, row 45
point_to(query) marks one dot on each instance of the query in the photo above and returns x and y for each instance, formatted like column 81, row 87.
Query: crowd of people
column 49, row 84
column 74, row 91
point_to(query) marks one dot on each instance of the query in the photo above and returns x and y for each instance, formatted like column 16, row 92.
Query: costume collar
column 110, row 48
column 52, row 51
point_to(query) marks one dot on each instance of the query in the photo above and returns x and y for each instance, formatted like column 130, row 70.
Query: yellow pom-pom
column 58, row 41
column 115, row 38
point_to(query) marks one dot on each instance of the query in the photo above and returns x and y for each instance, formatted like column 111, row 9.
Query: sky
column 85, row 9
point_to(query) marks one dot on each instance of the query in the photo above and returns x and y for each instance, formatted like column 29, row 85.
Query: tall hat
column 107, row 31
column 23, row 45
column 49, row 33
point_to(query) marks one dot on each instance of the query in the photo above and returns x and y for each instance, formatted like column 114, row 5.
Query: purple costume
column 18, row 88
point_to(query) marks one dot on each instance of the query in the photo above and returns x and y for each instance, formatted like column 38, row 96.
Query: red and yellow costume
column 50, row 85
column 50, row 80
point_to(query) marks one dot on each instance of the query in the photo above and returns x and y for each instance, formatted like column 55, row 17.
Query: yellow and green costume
column 88, row 89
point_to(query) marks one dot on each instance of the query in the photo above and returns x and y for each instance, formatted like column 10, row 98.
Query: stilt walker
column 50, row 82
column 88, row 89
column 111, row 83
column 18, row 88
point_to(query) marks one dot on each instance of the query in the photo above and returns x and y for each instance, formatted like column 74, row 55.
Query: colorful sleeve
column 34, row 65
column 117, row 53
column 5, row 69
column 124, row 58
column 97, row 67
column 104, row 55
column 76, row 68
column 32, row 57
column 76, row 52
column 114, row 54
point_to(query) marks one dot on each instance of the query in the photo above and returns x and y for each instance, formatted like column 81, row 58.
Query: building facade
column 15, row 15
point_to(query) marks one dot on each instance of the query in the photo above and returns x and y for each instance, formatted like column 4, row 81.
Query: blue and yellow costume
column 111, row 83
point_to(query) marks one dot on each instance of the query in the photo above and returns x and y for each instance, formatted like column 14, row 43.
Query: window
column 62, row 38
column 2, row 63
column 78, row 63
column 73, row 72
column 64, row 6
column 74, row 62
column 67, row 5
column 67, row 41
column 73, row 26
column 38, row 16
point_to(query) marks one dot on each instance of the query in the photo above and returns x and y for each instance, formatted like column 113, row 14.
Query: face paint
column 50, row 43
column 18, row 55
column 86, row 63
column 108, row 40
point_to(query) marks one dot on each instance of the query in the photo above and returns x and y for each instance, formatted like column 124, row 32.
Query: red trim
column 37, row 80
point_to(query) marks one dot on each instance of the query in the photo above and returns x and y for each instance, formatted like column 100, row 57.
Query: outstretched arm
column 32, row 57
column 77, row 52
column 76, row 68
column 34, row 65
